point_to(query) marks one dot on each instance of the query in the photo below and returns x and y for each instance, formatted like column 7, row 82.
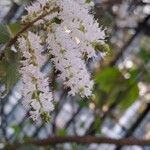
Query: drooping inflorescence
column 36, row 93
column 70, row 33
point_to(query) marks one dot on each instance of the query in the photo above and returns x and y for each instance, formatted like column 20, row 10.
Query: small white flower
column 35, row 84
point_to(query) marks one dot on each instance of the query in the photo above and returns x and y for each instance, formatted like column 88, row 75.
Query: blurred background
column 121, row 105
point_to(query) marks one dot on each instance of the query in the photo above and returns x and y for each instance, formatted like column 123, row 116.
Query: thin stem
column 14, row 39
column 82, row 140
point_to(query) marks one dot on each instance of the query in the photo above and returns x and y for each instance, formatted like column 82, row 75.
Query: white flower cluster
column 71, row 35
column 68, row 60
column 36, row 94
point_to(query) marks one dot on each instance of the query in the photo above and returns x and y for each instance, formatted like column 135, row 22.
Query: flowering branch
column 66, row 36
column 82, row 140
column 27, row 26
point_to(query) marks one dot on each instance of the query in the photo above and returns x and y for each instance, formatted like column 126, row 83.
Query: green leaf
column 97, row 124
column 15, row 27
column 129, row 98
column 5, row 33
column 108, row 78
column 9, row 74
column 62, row 132
column 8, row 31
column 17, row 132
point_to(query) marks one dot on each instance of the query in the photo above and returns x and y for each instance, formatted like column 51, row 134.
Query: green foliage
column 9, row 74
column 112, row 86
column 61, row 132
column 108, row 78
column 5, row 33
column 8, row 31
column 8, row 65
column 97, row 124
column 14, row 27
column 129, row 97
column 17, row 131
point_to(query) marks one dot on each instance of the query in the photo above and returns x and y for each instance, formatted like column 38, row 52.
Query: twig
column 14, row 39
column 81, row 140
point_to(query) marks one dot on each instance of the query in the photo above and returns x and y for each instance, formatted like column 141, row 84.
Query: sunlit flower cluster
column 71, row 36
